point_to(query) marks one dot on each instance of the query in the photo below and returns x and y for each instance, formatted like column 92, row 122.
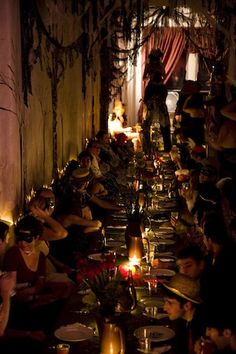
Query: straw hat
column 82, row 174
column 185, row 287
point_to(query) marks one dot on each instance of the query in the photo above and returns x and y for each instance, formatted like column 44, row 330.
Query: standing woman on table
column 156, row 93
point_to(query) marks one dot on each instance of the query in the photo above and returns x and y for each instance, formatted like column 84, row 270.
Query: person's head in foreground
column 182, row 295
column 190, row 261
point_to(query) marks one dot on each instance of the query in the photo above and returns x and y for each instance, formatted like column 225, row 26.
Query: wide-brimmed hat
column 82, row 174
column 184, row 287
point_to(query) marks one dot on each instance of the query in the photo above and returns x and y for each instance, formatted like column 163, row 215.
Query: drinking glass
column 63, row 348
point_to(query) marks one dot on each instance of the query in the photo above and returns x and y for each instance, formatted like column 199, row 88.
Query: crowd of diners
column 61, row 224
column 200, row 298
column 65, row 221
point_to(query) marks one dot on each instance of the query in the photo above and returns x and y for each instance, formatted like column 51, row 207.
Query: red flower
column 79, row 277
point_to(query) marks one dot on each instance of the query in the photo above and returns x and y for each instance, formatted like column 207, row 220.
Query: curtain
column 172, row 42
column 202, row 41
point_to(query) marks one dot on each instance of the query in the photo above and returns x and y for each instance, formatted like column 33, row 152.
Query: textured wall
column 26, row 144
column 10, row 109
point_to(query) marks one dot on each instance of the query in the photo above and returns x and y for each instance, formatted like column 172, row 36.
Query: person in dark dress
column 156, row 93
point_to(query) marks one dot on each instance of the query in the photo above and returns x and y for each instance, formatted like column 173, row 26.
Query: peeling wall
column 26, row 144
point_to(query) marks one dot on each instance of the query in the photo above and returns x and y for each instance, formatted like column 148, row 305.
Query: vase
column 127, row 299
column 135, row 227
column 112, row 339
column 134, row 240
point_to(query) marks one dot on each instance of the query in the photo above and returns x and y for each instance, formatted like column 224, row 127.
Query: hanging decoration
column 114, row 26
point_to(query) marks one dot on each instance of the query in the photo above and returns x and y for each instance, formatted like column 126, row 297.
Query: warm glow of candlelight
column 128, row 267
column 7, row 220
column 134, row 260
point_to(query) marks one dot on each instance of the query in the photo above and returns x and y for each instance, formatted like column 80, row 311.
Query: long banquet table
column 73, row 310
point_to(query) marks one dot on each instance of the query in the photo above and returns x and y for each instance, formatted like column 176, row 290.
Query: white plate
column 166, row 228
column 74, row 332
column 164, row 254
column 117, row 227
column 151, row 301
column 114, row 243
column 164, row 235
column 98, row 256
column 159, row 272
column 158, row 350
column 155, row 333
column 158, row 316
column 166, row 259
column 166, row 242
column 161, row 241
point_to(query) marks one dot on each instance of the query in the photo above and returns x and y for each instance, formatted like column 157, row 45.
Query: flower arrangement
column 102, row 280
column 111, row 292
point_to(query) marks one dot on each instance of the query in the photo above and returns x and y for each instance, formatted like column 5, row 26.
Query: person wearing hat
column 81, row 178
column 182, row 304
column 75, row 213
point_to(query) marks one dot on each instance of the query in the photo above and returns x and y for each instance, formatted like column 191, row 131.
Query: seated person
column 182, row 304
column 220, row 334
column 191, row 261
column 222, row 253
column 194, row 124
column 7, row 285
column 35, row 297
column 117, row 122
column 42, row 208
column 4, row 229
column 75, row 214
column 93, row 149
column 15, row 341
column 55, row 270
column 95, row 187
column 107, row 155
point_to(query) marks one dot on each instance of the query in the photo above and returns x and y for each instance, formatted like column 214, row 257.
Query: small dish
column 154, row 333
column 159, row 272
